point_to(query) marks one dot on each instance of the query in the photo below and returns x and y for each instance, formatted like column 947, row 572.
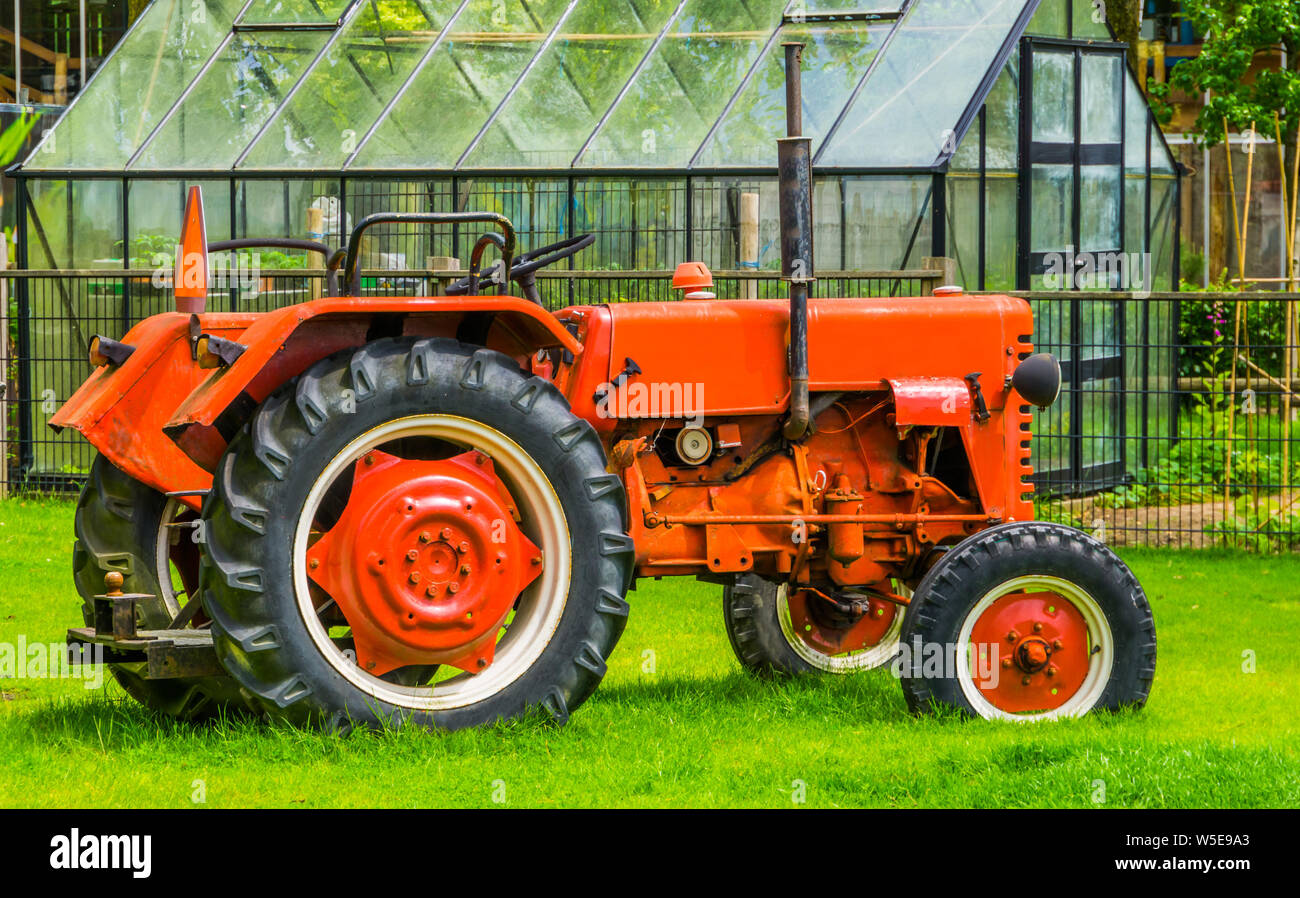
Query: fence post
column 945, row 270
column 749, row 242
column 4, row 368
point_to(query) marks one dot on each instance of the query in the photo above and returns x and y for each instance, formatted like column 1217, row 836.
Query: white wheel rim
column 541, row 605
column 1101, row 658
column 862, row 659
column 163, row 557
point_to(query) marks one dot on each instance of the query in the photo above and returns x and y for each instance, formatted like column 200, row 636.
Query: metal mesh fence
column 1157, row 439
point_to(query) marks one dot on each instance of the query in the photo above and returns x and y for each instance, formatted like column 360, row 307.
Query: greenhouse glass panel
column 1051, row 208
column 136, row 85
column 834, row 61
column 1053, row 101
column 675, row 99
column 1090, row 21
column 231, row 101
column 1002, row 119
column 908, row 110
column 347, row 89
column 1100, row 98
column 797, row 7
column 563, row 97
column 887, row 221
column 485, row 50
column 294, row 12
column 1051, row 19
column 1135, row 168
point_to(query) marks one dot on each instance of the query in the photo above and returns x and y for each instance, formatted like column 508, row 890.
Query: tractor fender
column 283, row 343
column 121, row 409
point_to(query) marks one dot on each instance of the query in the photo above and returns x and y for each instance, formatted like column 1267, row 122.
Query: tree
column 1235, row 32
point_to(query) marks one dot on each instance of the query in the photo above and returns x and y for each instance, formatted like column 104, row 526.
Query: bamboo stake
column 1241, row 273
column 1288, row 227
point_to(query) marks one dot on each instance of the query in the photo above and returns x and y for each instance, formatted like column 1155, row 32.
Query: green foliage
column 1268, row 527
column 1234, row 33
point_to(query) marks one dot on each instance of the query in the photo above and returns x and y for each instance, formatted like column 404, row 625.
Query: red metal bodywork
column 866, row 481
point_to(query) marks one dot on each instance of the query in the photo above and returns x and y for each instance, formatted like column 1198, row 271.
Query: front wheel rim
column 539, row 608
column 1034, row 648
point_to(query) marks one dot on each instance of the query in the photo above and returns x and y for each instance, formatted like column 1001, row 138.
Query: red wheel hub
column 425, row 562
column 1035, row 646
column 823, row 637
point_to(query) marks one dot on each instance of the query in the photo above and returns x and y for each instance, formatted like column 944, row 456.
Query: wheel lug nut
column 1058, row 645
column 1012, row 636
column 414, row 578
column 1006, row 662
column 432, row 592
column 446, row 533
column 537, row 559
column 1051, row 670
column 370, row 459
column 453, row 587
column 426, row 536
column 463, row 547
column 1024, row 681
column 1038, row 628
column 464, row 569
column 412, row 555
column 314, row 563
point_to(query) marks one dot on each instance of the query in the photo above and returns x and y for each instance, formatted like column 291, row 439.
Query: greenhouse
column 988, row 142
column 640, row 120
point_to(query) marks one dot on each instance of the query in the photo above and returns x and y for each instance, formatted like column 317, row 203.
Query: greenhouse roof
column 245, row 86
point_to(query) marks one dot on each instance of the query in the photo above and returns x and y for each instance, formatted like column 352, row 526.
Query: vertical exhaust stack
column 794, row 168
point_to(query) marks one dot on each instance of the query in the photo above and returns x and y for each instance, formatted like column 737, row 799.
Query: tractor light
column 104, row 351
column 217, row 352
column 1038, row 379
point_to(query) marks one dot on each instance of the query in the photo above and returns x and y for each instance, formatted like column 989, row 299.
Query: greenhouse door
column 1071, row 217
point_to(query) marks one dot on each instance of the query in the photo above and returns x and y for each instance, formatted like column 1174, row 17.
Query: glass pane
column 1000, row 231
column 1051, row 19
column 834, row 62
column 74, row 224
column 347, row 90
column 1002, row 119
column 483, row 54
column 887, row 222
column 562, row 99
column 963, row 226
column 136, row 85
column 1161, row 161
column 280, row 12
column 235, row 97
column 1053, row 85
column 1099, row 187
column 833, row 6
column 1052, row 208
column 1162, row 234
column 1090, row 20
column 1135, row 126
column 1100, row 88
column 907, row 112
column 685, row 85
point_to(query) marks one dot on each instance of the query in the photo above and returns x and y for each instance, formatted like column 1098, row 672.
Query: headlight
column 1038, row 379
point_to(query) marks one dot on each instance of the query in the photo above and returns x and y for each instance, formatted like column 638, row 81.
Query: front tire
column 1028, row 621
column 293, row 487
column 772, row 638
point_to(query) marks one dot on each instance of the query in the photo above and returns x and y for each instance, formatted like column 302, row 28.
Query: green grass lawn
column 690, row 729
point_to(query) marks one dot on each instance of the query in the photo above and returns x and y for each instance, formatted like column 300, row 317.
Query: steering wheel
column 524, row 267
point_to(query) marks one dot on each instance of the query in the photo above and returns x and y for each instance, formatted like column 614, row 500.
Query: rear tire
column 267, row 626
column 119, row 524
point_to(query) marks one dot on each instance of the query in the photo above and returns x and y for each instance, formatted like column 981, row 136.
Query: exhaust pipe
column 794, row 170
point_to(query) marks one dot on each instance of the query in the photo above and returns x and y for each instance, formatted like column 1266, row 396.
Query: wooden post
column 945, row 269
column 60, row 79
column 316, row 231
column 749, row 242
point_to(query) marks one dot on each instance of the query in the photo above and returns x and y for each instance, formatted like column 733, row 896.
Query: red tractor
column 355, row 510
